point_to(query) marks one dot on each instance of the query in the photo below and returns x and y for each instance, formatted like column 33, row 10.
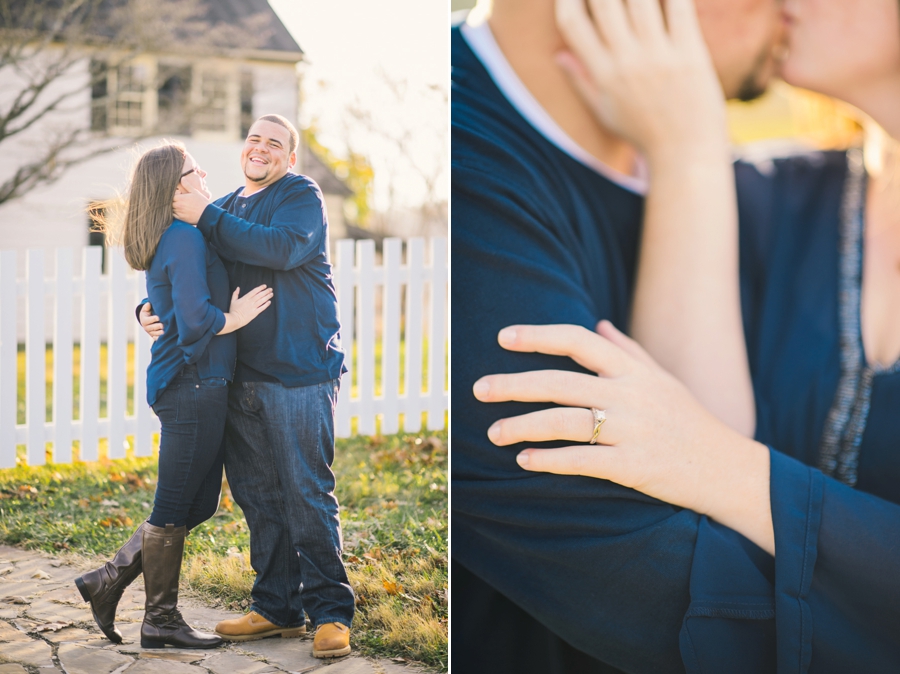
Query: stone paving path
column 46, row 627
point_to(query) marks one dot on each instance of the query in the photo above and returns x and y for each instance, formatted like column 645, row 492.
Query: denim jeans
column 191, row 449
column 279, row 448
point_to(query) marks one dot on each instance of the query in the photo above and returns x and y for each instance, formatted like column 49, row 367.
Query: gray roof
column 232, row 12
column 225, row 24
column 319, row 171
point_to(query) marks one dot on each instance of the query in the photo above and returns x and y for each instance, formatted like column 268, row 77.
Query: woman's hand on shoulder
column 656, row 438
column 645, row 76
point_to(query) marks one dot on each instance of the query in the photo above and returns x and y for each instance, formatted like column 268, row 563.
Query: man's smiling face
column 267, row 155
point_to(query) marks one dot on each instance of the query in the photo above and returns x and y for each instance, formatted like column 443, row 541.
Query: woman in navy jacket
column 187, row 387
column 818, row 292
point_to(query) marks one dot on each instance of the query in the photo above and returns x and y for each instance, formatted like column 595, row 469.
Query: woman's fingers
column 577, row 30
column 586, row 348
column 590, row 460
column 257, row 290
column 681, row 17
column 611, row 21
column 559, row 423
column 647, row 20
column 571, row 389
column 627, row 344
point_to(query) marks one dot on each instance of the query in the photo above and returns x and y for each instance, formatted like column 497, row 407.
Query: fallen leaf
column 40, row 574
column 226, row 504
column 353, row 559
column 392, row 587
column 14, row 599
column 53, row 627
column 109, row 503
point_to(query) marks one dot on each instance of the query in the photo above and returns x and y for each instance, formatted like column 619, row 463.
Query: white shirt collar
column 481, row 40
column 247, row 196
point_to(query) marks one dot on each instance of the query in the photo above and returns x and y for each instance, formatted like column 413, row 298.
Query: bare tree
column 405, row 139
column 44, row 48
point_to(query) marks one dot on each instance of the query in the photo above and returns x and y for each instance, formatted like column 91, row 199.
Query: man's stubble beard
column 260, row 179
column 756, row 82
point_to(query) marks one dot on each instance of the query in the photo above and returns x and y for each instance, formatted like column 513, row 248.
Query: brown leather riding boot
column 163, row 625
column 102, row 588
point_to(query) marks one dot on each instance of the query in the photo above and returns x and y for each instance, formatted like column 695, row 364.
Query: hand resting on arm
column 657, row 438
column 242, row 311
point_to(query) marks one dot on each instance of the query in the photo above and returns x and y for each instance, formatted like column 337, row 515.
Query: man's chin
column 256, row 177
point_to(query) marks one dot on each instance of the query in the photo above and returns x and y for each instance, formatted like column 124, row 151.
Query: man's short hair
column 283, row 121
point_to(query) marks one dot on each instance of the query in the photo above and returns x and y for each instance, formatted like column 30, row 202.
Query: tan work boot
column 254, row 626
column 332, row 641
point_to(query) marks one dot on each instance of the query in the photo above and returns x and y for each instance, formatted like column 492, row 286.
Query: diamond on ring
column 599, row 418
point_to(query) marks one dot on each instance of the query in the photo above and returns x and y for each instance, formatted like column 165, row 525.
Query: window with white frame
column 214, row 100
column 212, row 114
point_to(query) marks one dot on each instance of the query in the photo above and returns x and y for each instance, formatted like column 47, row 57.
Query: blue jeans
column 279, row 447
column 192, row 413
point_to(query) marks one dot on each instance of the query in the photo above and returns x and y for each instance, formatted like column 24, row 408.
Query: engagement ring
column 599, row 418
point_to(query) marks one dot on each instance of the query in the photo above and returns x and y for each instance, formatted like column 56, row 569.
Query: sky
column 391, row 62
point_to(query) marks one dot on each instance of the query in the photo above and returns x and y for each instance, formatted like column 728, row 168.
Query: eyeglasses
column 196, row 169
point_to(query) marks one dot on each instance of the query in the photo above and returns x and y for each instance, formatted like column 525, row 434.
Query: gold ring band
column 599, row 418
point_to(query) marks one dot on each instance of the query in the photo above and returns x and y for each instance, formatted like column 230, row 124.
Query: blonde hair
column 138, row 223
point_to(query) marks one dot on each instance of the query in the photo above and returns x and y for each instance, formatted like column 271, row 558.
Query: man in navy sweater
column 280, row 424
column 554, row 574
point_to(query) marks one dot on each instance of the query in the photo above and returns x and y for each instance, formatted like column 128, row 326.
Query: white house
column 207, row 99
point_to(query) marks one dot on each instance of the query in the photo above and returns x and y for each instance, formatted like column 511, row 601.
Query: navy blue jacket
column 188, row 289
column 638, row 585
column 279, row 237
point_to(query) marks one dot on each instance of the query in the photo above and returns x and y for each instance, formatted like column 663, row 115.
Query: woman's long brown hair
column 147, row 210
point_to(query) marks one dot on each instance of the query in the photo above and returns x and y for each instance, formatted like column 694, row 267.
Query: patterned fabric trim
column 846, row 421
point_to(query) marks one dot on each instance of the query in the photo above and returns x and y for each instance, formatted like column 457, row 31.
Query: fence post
column 346, row 292
column 35, row 357
column 365, row 344
column 415, row 256
column 117, row 354
column 62, row 358
column 89, row 397
column 390, row 336
column 437, row 335
column 8, row 359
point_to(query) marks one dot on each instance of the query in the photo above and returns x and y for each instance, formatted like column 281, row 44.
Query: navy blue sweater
column 279, row 237
column 188, row 289
column 640, row 585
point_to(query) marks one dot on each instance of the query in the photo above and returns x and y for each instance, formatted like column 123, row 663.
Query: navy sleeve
column 293, row 236
column 837, row 562
column 196, row 318
column 639, row 584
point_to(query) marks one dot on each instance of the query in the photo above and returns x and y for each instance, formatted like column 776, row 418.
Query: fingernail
column 494, row 432
column 522, row 459
column 481, row 389
column 506, row 336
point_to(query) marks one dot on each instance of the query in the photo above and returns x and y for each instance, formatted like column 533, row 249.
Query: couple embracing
column 245, row 381
column 719, row 491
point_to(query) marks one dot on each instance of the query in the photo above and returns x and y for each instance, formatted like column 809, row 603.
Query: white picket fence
column 359, row 283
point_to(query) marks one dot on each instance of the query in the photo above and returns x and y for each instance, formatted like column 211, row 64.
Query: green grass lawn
column 393, row 495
